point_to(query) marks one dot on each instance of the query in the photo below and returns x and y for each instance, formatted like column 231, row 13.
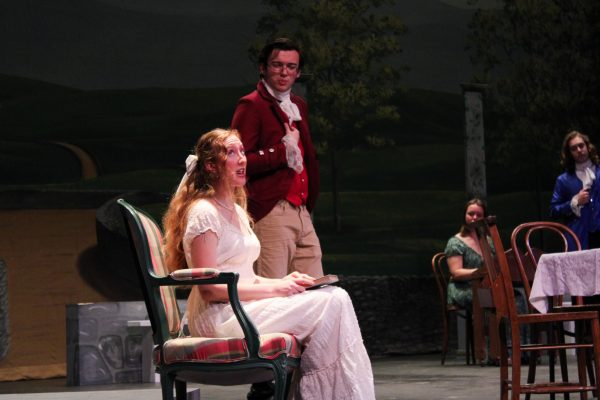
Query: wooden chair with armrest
column 441, row 274
column 212, row 361
column 502, row 292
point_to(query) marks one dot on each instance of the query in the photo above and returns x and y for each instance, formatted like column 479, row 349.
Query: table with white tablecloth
column 574, row 273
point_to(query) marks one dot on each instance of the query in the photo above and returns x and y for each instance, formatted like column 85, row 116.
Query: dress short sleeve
column 470, row 258
column 455, row 247
column 202, row 217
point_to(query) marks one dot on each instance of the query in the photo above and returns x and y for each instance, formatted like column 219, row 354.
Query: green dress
column 459, row 292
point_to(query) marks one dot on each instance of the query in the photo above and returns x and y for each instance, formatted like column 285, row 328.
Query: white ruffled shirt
column 292, row 151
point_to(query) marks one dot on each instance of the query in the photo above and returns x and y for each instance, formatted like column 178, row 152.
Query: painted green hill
column 150, row 129
column 399, row 204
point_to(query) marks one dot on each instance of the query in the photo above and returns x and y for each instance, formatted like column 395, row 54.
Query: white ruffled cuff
column 292, row 154
column 575, row 207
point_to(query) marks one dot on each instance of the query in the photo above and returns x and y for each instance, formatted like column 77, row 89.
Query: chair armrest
column 194, row 273
column 203, row 276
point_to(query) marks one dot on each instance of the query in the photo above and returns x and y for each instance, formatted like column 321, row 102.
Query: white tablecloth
column 574, row 273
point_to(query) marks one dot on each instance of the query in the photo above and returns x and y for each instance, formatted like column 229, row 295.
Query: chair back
column 441, row 275
column 514, row 257
column 146, row 240
column 527, row 256
column 501, row 285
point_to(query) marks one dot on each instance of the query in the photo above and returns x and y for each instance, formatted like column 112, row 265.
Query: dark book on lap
column 323, row 281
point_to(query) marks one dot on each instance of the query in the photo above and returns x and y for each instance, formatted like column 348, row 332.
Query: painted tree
column 347, row 45
column 542, row 61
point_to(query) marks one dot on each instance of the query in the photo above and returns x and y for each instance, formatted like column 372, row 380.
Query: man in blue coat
column 576, row 194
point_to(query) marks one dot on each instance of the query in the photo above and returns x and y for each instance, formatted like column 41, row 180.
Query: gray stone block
column 103, row 347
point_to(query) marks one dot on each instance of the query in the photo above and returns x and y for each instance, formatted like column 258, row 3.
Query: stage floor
column 401, row 377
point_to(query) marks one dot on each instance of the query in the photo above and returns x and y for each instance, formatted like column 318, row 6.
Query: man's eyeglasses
column 279, row 66
column 577, row 146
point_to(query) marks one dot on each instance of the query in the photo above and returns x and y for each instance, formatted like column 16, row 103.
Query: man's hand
column 292, row 132
column 583, row 197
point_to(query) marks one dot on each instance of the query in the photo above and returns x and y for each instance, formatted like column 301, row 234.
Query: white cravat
column 285, row 103
column 292, row 151
column 585, row 172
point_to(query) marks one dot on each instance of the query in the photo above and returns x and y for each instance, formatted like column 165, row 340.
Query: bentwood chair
column 441, row 274
column 207, row 360
column 502, row 292
column 527, row 257
column 558, row 237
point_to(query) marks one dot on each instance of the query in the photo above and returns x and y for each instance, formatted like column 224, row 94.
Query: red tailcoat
column 260, row 121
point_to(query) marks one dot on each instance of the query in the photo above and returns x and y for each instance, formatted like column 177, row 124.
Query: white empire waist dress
column 334, row 365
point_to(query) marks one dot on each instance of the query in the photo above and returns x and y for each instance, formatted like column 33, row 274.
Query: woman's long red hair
column 200, row 184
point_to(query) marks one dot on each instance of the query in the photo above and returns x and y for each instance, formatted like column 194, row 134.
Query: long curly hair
column 200, row 184
column 566, row 158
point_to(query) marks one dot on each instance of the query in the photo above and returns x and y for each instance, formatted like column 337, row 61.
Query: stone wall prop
column 398, row 314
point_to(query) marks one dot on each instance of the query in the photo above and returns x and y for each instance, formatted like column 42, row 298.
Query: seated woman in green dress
column 463, row 256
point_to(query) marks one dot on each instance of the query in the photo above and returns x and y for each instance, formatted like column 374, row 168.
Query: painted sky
column 108, row 44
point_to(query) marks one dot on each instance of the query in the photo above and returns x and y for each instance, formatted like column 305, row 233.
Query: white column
column 474, row 140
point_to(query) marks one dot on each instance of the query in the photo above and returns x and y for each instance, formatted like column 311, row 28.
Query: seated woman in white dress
column 206, row 225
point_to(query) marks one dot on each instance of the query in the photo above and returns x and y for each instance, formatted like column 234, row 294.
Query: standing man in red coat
column 283, row 171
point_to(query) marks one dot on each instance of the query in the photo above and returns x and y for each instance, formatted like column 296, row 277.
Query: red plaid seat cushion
column 223, row 350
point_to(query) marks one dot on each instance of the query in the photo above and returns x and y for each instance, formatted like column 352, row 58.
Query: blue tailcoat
column 568, row 185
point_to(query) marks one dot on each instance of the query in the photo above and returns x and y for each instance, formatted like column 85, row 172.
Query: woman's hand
column 300, row 278
column 480, row 273
column 286, row 287
column 459, row 273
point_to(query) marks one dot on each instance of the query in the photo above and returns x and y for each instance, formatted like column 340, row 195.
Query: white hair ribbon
column 190, row 165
